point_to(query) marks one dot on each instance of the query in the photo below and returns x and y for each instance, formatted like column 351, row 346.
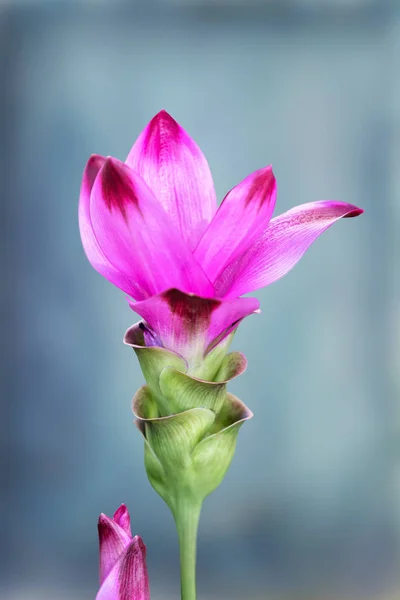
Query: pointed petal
column 128, row 580
column 123, row 519
column 190, row 325
column 281, row 246
column 113, row 540
column 90, row 244
column 137, row 237
column 175, row 169
column 242, row 216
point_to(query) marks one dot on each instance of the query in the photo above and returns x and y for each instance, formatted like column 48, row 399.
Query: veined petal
column 137, row 237
column 242, row 216
column 281, row 246
column 191, row 325
column 113, row 541
column 175, row 169
column 123, row 519
column 90, row 244
column 128, row 580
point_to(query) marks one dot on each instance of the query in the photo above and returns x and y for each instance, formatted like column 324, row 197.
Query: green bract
column 190, row 425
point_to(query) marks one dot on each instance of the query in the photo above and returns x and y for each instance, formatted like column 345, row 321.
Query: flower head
column 152, row 227
column 123, row 572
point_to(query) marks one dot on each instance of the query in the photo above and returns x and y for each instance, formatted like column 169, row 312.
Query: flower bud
column 123, row 571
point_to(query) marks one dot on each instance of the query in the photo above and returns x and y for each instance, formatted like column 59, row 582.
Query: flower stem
column 187, row 516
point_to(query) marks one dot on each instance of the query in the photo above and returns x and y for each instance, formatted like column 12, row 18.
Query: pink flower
column 123, row 572
column 152, row 227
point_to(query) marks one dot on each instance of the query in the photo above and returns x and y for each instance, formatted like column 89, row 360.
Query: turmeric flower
column 152, row 227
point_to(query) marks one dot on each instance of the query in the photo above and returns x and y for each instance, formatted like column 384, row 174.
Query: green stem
column 187, row 516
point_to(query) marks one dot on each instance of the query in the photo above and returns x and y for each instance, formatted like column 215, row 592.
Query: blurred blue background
column 310, row 506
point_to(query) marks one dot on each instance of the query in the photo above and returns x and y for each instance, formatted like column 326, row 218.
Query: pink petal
column 128, row 580
column 89, row 241
column 281, row 246
column 137, row 237
column 123, row 519
column 175, row 169
column 113, row 540
column 190, row 325
column 242, row 216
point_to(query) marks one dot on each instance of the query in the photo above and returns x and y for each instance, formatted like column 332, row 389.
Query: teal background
column 310, row 506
